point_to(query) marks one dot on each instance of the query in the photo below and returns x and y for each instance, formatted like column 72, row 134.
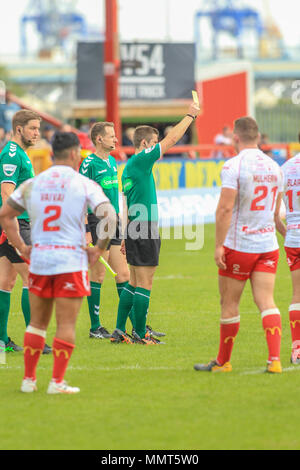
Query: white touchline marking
column 261, row 371
column 104, row 368
column 171, row 276
column 294, row 368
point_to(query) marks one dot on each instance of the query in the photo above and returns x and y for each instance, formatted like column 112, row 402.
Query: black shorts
column 92, row 227
column 8, row 250
column 142, row 243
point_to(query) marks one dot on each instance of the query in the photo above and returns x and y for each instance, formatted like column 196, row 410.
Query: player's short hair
column 143, row 132
column 99, row 128
column 62, row 142
column 22, row 117
column 247, row 129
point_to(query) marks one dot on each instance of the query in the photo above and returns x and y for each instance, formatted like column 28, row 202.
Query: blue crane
column 54, row 20
column 228, row 16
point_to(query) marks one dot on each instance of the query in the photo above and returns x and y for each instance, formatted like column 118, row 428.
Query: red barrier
column 203, row 152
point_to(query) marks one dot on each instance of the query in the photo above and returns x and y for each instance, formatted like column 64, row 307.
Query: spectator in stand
column 8, row 110
column 127, row 141
column 84, row 138
column 47, row 135
column 87, row 126
column 128, row 137
column 224, row 138
column 264, row 145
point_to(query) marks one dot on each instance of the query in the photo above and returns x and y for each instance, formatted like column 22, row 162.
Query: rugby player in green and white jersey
column 142, row 241
column 101, row 167
column 15, row 168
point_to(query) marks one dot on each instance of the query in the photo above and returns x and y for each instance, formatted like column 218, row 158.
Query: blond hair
column 99, row 128
column 22, row 117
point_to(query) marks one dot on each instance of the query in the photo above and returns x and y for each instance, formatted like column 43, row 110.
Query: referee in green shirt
column 101, row 167
column 142, row 241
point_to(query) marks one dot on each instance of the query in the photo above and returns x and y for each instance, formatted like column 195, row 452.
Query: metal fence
column 281, row 123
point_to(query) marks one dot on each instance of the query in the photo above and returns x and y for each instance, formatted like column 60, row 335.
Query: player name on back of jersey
column 52, row 197
column 265, row 178
column 293, row 182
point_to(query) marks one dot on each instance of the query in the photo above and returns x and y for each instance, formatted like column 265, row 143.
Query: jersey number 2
column 262, row 192
column 51, row 218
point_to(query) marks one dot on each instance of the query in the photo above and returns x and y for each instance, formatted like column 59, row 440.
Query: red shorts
column 293, row 257
column 240, row 265
column 60, row 285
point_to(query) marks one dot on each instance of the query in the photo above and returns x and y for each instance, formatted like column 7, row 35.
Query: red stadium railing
column 199, row 151
column 41, row 157
column 205, row 151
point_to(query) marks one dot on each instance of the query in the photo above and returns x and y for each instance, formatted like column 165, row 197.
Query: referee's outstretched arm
column 179, row 130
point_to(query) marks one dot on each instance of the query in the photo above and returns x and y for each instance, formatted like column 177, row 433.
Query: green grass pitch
column 134, row 397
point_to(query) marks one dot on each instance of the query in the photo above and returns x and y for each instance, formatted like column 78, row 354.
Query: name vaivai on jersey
column 52, row 197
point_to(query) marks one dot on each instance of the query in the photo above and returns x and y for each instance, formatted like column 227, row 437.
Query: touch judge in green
column 101, row 167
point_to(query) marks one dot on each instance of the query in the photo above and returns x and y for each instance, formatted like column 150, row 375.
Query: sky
column 160, row 20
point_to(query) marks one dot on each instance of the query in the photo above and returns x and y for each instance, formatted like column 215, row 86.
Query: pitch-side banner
column 187, row 206
column 149, row 71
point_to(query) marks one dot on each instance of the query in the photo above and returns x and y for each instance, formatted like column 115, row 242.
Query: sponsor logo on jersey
column 127, row 185
column 149, row 149
column 102, row 171
column 248, row 231
column 108, row 183
column 9, row 169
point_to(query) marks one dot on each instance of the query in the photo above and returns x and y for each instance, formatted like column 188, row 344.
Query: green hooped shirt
column 139, row 186
column 15, row 167
column 105, row 173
